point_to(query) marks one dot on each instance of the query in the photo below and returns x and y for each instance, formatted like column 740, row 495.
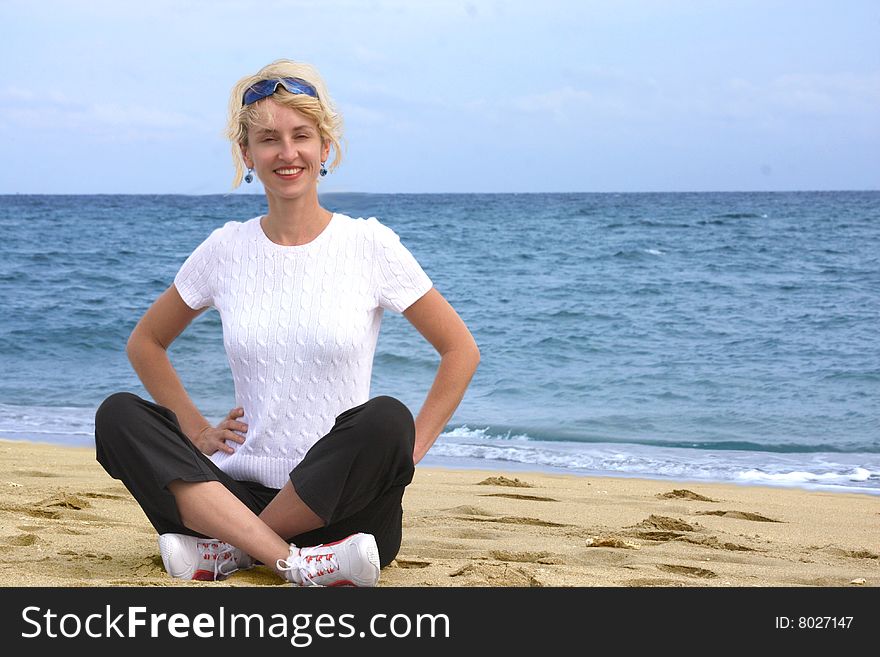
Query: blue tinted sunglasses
column 265, row 88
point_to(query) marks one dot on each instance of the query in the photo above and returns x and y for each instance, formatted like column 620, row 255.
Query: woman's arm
column 147, row 350
column 440, row 325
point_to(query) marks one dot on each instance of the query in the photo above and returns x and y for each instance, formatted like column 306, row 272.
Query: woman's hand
column 419, row 452
column 213, row 439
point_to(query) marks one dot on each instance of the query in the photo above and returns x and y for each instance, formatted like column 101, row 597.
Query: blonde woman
column 307, row 473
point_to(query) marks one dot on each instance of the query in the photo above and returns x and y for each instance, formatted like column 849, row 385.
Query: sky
column 444, row 96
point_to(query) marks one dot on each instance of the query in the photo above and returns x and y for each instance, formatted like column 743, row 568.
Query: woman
column 307, row 474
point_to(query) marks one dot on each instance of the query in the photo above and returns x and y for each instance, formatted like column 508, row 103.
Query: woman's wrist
column 196, row 435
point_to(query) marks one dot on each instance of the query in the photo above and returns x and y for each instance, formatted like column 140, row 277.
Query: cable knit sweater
column 300, row 325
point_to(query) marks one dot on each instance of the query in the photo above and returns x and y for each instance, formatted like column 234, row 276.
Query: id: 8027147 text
column 814, row 622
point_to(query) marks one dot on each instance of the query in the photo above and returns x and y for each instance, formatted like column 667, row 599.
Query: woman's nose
column 288, row 150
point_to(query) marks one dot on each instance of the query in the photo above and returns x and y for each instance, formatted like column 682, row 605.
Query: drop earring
column 249, row 177
column 323, row 170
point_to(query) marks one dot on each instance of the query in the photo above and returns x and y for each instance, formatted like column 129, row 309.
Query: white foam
column 65, row 424
column 479, row 448
column 802, row 477
column 465, row 432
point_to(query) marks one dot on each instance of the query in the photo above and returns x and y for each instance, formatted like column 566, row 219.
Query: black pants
column 353, row 478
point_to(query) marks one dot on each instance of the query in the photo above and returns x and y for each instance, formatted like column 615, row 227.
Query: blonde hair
column 321, row 110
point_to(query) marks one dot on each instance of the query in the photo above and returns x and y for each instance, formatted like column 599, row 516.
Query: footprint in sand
column 854, row 554
column 518, row 520
column 497, row 575
column 469, row 510
column 65, row 501
column 23, row 540
column 664, row 528
column 411, row 563
column 661, row 528
column 504, row 481
column 739, row 515
column 513, row 496
column 525, row 557
column 714, row 543
column 477, row 514
column 666, row 523
column 31, row 511
column 685, row 494
column 690, row 571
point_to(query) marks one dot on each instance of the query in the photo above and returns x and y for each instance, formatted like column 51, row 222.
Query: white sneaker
column 207, row 559
column 353, row 561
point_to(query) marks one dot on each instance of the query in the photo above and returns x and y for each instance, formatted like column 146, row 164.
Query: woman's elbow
column 474, row 352
column 464, row 351
column 138, row 345
column 132, row 346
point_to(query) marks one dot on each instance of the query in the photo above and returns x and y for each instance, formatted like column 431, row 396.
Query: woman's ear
column 249, row 163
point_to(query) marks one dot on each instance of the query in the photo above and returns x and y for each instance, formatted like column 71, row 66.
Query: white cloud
column 568, row 103
column 788, row 96
column 783, row 98
column 138, row 116
column 27, row 109
column 834, row 94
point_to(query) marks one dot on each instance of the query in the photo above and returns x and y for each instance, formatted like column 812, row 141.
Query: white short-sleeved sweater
column 300, row 325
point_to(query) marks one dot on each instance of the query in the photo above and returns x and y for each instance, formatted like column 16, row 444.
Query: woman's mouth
column 289, row 173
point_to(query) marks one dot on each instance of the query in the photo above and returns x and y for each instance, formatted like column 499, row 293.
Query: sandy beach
column 65, row 522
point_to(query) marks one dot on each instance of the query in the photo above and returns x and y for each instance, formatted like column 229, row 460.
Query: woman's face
column 287, row 157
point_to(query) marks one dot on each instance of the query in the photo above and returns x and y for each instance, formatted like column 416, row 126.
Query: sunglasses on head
column 265, row 88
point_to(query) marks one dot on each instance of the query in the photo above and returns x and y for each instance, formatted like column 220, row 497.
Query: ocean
column 703, row 337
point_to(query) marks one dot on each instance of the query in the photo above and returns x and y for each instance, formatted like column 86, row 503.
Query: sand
column 65, row 522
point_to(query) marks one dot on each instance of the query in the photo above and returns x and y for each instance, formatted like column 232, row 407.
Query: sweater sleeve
column 196, row 279
column 400, row 280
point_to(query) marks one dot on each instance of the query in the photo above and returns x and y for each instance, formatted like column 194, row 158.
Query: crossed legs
column 353, row 477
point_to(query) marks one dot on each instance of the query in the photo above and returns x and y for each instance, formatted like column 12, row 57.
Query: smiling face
column 286, row 151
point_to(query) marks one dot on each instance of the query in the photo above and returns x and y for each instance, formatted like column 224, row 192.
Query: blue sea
column 703, row 337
